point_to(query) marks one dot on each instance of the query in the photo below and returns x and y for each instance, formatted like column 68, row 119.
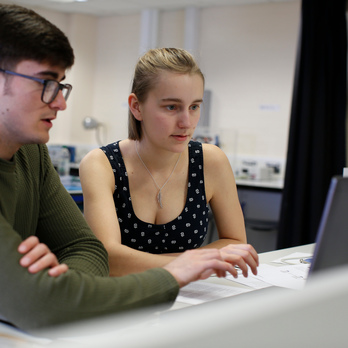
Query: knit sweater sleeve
column 37, row 300
column 33, row 202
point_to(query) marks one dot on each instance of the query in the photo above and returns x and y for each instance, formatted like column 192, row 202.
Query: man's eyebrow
column 50, row 74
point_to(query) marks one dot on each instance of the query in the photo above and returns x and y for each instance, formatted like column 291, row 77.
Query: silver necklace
column 159, row 195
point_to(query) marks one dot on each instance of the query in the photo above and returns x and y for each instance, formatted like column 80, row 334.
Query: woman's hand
column 199, row 264
column 241, row 255
column 37, row 257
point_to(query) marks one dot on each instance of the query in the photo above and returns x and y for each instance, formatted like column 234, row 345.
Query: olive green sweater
column 33, row 202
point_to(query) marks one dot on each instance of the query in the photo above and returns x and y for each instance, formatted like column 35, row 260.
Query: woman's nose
column 184, row 119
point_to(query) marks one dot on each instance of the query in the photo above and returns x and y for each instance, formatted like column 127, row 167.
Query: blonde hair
column 146, row 74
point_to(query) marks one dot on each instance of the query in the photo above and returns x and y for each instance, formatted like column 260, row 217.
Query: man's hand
column 37, row 257
column 241, row 255
column 199, row 264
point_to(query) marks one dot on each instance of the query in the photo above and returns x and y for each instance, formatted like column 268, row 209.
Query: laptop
column 331, row 247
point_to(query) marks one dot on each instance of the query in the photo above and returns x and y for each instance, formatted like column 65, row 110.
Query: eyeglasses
column 50, row 87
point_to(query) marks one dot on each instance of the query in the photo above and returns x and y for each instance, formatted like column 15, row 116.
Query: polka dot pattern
column 187, row 231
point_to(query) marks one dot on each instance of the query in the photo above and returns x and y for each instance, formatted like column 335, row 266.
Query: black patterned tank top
column 187, row 231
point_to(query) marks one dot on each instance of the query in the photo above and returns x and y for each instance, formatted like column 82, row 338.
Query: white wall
column 247, row 53
column 248, row 56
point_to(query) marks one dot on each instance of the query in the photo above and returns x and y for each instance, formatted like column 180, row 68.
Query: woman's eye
column 171, row 107
column 194, row 107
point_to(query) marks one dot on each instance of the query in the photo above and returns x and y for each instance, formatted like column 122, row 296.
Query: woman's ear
column 134, row 106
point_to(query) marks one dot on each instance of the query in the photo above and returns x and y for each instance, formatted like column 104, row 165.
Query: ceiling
column 125, row 7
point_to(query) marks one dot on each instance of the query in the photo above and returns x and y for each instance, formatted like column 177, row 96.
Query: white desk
column 271, row 255
column 314, row 317
column 264, row 258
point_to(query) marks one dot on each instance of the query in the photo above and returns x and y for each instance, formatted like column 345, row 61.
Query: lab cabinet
column 260, row 205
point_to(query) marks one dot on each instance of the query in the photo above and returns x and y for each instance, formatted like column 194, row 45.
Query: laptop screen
column 331, row 248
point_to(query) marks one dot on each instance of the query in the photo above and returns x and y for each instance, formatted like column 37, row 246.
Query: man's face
column 24, row 118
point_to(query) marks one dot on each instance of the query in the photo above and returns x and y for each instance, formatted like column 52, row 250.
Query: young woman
column 159, row 181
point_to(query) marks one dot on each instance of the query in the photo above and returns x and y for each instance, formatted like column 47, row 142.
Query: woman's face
column 171, row 110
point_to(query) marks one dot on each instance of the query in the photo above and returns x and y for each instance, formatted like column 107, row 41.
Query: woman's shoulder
column 105, row 151
column 96, row 158
column 206, row 147
column 212, row 152
column 215, row 161
column 93, row 155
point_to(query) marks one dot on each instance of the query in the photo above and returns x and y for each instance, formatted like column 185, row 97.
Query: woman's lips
column 180, row 137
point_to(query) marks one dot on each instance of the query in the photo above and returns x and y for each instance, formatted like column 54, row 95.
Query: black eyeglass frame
column 45, row 82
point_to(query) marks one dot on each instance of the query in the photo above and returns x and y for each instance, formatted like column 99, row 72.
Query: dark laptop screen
column 332, row 239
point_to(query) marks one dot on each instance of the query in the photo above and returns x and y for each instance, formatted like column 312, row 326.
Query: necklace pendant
column 159, row 195
column 159, row 198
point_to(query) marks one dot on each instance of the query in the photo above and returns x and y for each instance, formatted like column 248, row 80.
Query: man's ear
column 134, row 106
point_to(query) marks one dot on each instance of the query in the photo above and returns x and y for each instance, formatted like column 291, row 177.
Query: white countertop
column 272, row 184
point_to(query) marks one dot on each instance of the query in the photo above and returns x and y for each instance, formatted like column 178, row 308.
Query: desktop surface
column 314, row 316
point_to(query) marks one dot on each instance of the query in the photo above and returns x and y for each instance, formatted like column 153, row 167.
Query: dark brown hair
column 25, row 35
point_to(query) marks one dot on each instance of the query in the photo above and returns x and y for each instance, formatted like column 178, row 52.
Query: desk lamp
column 92, row 123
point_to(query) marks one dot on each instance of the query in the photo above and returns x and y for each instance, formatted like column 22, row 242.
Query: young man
column 40, row 226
